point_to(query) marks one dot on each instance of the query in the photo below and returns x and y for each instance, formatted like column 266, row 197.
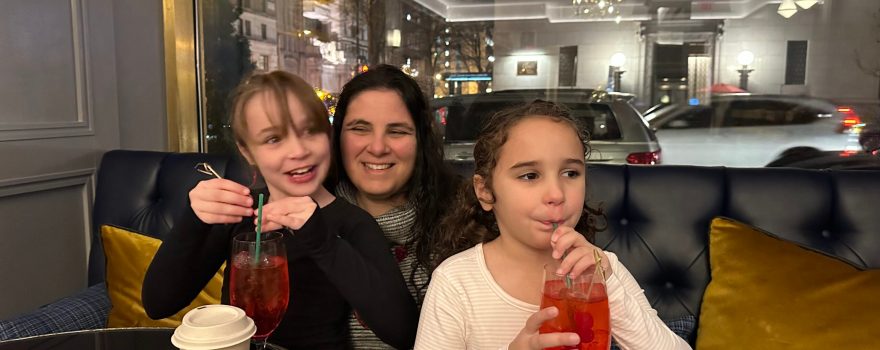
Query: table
column 97, row 339
column 101, row 339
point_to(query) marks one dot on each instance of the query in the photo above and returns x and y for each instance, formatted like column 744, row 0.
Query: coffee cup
column 214, row 327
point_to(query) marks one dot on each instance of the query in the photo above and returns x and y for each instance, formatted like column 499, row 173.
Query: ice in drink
column 261, row 289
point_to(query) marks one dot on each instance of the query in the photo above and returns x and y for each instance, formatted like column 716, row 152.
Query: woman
column 391, row 165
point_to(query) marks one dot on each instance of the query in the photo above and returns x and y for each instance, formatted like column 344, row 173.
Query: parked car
column 811, row 158
column 618, row 134
column 745, row 130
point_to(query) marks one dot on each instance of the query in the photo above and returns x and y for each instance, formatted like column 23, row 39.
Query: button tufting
column 623, row 222
column 826, row 233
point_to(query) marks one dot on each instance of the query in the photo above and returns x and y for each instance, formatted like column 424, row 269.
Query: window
column 568, row 65
column 796, row 63
column 263, row 63
column 598, row 119
column 755, row 113
column 467, row 56
column 688, row 118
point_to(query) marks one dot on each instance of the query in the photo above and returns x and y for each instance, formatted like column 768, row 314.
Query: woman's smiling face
column 378, row 145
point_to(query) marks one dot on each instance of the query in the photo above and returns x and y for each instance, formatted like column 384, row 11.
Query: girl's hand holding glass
column 530, row 339
column 221, row 201
column 290, row 212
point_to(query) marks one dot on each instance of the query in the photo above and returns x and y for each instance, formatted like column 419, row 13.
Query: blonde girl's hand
column 577, row 252
column 530, row 339
column 220, row 201
column 290, row 212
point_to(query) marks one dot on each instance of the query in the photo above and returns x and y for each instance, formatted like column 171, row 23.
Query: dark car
column 618, row 134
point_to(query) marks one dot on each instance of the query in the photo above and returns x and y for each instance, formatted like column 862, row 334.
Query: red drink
column 586, row 315
column 261, row 290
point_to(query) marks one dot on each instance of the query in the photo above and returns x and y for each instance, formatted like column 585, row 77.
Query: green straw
column 568, row 283
column 259, row 226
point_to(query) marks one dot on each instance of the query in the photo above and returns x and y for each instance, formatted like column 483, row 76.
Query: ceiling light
column 787, row 8
column 805, row 4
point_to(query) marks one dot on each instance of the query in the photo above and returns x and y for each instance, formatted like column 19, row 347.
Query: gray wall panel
column 44, row 247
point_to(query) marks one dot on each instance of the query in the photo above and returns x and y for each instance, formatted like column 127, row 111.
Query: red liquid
column 587, row 316
column 261, row 291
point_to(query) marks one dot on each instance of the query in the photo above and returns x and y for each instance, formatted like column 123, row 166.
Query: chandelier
column 597, row 9
column 408, row 69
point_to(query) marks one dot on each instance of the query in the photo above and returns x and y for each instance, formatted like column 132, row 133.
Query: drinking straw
column 567, row 279
column 259, row 226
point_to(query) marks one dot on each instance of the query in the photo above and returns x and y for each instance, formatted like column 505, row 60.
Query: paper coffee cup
column 214, row 327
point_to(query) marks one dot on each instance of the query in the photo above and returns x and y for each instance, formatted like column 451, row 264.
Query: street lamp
column 745, row 58
column 615, row 70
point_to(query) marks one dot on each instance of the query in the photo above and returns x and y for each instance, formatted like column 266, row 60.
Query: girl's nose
column 553, row 193
column 296, row 148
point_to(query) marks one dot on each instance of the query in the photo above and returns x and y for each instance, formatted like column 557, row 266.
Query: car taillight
column 847, row 153
column 850, row 118
column 644, row 158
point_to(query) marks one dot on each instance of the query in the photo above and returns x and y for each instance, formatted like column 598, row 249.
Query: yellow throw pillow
column 767, row 293
column 128, row 256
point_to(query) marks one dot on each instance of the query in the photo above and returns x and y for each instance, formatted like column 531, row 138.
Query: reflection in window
column 327, row 42
column 686, row 54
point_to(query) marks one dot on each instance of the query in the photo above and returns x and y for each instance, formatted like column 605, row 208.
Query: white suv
column 752, row 130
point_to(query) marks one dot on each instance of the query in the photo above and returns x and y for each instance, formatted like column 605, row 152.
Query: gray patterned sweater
column 397, row 224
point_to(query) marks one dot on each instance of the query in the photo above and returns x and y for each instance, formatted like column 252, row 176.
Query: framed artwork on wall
column 527, row 68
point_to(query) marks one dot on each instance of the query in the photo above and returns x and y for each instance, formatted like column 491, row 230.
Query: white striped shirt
column 466, row 309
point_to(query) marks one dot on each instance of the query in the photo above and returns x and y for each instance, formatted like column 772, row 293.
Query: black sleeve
column 187, row 259
column 356, row 257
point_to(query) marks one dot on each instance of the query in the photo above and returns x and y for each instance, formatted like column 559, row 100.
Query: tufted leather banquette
column 658, row 219
column 657, row 216
column 145, row 191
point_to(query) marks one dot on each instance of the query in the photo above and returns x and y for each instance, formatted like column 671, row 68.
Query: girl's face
column 294, row 162
column 379, row 145
column 538, row 180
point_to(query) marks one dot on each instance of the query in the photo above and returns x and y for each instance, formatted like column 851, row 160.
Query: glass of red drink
column 583, row 307
column 259, row 281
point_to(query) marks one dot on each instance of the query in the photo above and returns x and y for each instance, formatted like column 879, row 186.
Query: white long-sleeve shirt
column 466, row 309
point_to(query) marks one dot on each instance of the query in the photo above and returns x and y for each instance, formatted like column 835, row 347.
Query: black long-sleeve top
column 337, row 261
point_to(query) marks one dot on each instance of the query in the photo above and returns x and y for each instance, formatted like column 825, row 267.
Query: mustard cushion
column 128, row 256
column 767, row 293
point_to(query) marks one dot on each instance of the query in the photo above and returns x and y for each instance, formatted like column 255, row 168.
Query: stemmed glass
column 259, row 281
column 583, row 307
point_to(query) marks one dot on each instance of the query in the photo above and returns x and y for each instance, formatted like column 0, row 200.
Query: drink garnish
column 599, row 269
column 207, row 169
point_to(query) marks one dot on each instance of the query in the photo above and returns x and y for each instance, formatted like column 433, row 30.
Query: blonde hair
column 278, row 85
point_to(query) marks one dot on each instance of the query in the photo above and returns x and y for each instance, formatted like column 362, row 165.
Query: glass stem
column 261, row 344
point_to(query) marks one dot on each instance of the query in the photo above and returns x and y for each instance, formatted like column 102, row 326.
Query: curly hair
column 431, row 186
column 468, row 224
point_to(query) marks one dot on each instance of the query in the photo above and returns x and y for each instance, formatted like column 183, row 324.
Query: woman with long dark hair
column 390, row 163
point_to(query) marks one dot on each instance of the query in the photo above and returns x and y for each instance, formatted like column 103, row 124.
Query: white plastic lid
column 213, row 327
